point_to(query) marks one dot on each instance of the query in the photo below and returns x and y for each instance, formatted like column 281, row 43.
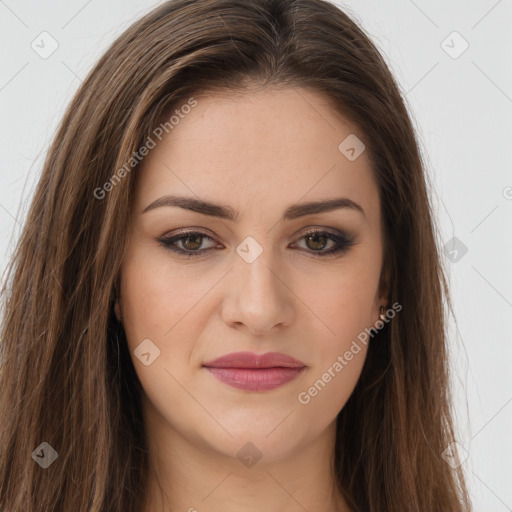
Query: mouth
column 262, row 379
column 255, row 372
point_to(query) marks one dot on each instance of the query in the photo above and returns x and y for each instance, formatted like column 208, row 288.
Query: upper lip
column 253, row 360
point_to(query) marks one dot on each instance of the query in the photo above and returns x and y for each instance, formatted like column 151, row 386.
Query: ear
column 117, row 311
column 385, row 286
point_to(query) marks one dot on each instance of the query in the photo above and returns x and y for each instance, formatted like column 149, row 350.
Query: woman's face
column 253, row 280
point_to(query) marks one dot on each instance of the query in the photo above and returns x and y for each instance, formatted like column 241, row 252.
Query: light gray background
column 462, row 108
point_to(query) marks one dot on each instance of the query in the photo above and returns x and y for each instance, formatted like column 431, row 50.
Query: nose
column 258, row 299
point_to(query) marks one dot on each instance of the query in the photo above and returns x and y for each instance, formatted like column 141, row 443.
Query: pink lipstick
column 255, row 372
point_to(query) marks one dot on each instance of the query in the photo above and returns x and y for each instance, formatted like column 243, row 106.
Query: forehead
column 268, row 147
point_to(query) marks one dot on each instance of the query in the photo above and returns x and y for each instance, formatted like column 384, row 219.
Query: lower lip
column 261, row 379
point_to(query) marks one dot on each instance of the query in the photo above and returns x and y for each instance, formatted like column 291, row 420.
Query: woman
column 228, row 290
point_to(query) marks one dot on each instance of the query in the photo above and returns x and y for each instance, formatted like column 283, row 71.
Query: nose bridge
column 260, row 299
column 253, row 268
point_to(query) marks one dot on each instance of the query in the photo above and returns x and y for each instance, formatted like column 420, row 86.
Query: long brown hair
column 66, row 375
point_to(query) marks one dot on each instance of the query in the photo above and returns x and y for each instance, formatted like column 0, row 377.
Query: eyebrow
column 226, row 212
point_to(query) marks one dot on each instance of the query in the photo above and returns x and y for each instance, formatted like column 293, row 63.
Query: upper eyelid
column 189, row 232
column 343, row 238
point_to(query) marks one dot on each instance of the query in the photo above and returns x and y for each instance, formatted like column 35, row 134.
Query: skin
column 258, row 153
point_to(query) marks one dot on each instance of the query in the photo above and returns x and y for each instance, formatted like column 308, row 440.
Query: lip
column 255, row 372
column 253, row 360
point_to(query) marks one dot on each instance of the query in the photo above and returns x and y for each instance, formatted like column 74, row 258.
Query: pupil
column 196, row 238
column 317, row 237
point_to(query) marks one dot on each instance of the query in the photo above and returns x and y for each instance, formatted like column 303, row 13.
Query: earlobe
column 385, row 285
column 117, row 311
column 384, row 291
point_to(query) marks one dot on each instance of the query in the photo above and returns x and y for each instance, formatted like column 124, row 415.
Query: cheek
column 341, row 346
column 344, row 303
column 160, row 304
column 157, row 299
column 170, row 306
column 328, row 389
column 345, row 308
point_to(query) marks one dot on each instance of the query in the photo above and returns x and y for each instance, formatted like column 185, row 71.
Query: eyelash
column 342, row 241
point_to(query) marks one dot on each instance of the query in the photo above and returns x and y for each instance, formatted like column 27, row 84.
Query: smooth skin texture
column 257, row 153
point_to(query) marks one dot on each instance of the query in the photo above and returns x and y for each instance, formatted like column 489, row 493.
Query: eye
column 316, row 241
column 189, row 243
